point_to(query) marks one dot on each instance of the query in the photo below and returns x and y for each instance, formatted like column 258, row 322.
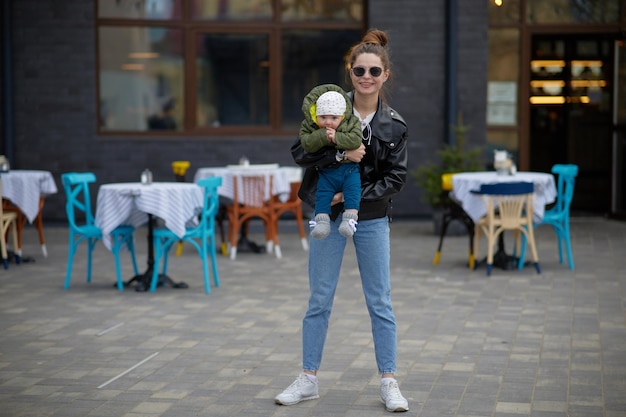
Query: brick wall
column 55, row 96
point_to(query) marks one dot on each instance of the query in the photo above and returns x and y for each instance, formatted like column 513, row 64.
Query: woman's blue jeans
column 371, row 241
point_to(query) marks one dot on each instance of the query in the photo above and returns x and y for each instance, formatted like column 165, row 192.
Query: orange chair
column 293, row 205
column 9, row 207
column 252, row 204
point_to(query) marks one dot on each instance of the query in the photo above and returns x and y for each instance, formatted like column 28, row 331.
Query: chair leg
column 444, row 227
column 204, row 249
column 14, row 239
column 70, row 261
column 568, row 246
column 42, row 241
column 158, row 252
column 216, row 279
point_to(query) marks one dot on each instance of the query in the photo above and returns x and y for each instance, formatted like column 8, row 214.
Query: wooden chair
column 293, row 205
column 250, row 202
column 509, row 207
column 453, row 211
column 9, row 207
column 9, row 224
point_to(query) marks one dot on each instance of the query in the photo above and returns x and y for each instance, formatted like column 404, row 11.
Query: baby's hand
column 331, row 135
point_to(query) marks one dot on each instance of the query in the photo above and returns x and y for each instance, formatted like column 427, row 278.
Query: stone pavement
column 509, row 345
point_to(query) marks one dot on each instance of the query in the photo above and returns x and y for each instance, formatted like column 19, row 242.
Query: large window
column 218, row 67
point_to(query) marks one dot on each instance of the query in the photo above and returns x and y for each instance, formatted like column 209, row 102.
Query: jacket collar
column 382, row 122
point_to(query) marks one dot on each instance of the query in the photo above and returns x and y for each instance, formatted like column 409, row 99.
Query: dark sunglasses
column 374, row 71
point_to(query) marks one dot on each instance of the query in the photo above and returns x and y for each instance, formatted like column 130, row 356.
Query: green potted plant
column 453, row 158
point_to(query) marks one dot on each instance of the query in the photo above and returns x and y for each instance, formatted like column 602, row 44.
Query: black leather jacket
column 383, row 168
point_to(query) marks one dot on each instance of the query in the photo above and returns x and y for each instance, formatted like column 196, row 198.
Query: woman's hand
column 355, row 155
column 337, row 198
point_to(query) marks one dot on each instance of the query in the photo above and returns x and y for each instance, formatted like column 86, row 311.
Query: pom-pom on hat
column 330, row 103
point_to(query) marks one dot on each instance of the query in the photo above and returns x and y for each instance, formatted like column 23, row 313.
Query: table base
column 143, row 281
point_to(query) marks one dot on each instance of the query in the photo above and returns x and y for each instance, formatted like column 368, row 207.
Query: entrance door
column 572, row 113
column 618, row 204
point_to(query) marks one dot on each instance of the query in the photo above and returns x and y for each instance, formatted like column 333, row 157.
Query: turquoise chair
column 558, row 215
column 201, row 237
column 76, row 187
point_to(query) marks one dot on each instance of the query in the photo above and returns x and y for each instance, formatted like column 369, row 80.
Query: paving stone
column 508, row 345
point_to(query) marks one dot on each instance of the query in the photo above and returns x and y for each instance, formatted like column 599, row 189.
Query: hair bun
column 376, row 37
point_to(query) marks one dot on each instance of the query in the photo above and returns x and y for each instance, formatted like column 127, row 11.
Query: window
column 218, row 67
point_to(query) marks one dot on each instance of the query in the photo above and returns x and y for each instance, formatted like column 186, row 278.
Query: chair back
column 76, row 186
column 565, row 186
column 513, row 201
column 252, row 189
column 210, row 205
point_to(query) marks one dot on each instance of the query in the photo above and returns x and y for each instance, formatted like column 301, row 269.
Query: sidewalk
column 509, row 345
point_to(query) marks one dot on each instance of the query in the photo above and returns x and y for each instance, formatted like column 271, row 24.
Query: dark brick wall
column 55, row 96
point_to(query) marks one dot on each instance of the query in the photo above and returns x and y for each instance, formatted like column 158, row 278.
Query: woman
column 383, row 161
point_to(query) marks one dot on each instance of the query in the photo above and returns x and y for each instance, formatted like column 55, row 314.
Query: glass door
column 571, row 111
column 618, row 201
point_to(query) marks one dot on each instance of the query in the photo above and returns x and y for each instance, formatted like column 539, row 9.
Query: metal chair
column 76, row 187
column 558, row 215
column 453, row 211
column 201, row 237
column 509, row 207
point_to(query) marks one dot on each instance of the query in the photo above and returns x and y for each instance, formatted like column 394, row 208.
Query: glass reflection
column 231, row 9
column 573, row 11
column 345, row 10
column 312, row 57
column 134, row 9
column 233, row 80
column 141, row 78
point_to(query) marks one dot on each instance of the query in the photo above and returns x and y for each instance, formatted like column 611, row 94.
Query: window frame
column 191, row 29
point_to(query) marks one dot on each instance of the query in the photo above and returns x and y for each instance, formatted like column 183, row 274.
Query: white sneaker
column 391, row 396
column 300, row 390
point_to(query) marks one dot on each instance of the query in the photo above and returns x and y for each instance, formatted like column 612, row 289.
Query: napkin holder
column 503, row 163
column 4, row 164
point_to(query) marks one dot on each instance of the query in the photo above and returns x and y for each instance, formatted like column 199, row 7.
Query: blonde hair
column 373, row 42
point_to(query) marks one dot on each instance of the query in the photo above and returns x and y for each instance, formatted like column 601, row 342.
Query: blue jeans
column 371, row 241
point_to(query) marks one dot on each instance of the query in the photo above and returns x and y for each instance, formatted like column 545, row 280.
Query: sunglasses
column 374, row 71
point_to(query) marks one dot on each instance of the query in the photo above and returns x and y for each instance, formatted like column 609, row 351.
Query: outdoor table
column 177, row 203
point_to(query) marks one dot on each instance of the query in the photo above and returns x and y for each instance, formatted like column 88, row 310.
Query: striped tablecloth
column 281, row 178
column 177, row 203
column 463, row 183
column 25, row 187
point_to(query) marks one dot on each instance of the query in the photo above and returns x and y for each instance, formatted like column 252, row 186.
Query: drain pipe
column 451, row 68
column 7, row 96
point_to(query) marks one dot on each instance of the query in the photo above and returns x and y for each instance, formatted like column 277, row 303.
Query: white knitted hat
column 330, row 103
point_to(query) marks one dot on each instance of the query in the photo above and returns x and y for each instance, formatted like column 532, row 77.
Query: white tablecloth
column 25, row 187
column 282, row 177
column 177, row 203
column 464, row 183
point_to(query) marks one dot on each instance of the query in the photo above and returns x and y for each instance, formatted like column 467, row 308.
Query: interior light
column 547, row 100
column 547, row 83
column 133, row 67
column 143, row 55
column 498, row 2
column 547, row 63
column 588, row 83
